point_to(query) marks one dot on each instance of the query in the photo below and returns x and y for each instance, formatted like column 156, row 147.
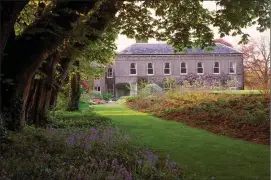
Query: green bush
column 62, row 102
column 257, row 117
column 85, row 97
column 107, row 96
column 130, row 99
column 96, row 94
column 86, row 119
column 150, row 89
column 122, row 100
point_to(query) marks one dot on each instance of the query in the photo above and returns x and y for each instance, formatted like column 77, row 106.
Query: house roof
column 162, row 48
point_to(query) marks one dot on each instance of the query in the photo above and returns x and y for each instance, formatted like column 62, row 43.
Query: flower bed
column 73, row 151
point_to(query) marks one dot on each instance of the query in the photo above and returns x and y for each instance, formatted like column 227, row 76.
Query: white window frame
column 150, row 68
column 133, row 68
column 216, row 67
column 185, row 68
column 234, row 67
column 167, row 68
column 108, row 72
column 201, row 67
column 96, row 88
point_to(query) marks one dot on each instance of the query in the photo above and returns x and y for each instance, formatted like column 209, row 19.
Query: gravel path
column 110, row 103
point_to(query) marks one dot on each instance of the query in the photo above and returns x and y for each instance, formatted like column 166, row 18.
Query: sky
column 123, row 41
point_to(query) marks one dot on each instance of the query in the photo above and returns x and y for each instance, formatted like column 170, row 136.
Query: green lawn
column 201, row 153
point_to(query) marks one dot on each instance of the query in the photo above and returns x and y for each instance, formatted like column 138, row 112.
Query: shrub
column 86, row 119
column 151, row 89
column 122, row 99
column 96, row 94
column 90, row 154
column 257, row 117
column 107, row 96
column 208, row 82
column 85, row 97
column 62, row 102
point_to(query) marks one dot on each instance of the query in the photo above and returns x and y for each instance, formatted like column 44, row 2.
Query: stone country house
column 154, row 62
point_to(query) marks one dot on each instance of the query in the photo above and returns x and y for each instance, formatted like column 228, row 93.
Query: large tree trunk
column 40, row 92
column 75, row 92
column 65, row 64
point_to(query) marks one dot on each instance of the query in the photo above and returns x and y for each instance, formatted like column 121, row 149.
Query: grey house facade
column 155, row 62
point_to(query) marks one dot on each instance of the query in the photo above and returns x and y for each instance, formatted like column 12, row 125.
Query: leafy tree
column 257, row 63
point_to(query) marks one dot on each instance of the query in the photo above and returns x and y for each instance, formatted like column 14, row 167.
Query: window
column 216, row 68
column 110, row 73
column 133, row 68
column 166, row 68
column 97, row 88
column 110, row 89
column 150, row 69
column 200, row 68
column 232, row 67
column 183, row 68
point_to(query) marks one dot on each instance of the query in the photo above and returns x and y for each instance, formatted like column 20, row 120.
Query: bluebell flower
column 71, row 140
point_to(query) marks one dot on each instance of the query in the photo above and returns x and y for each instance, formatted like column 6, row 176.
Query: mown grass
column 204, row 155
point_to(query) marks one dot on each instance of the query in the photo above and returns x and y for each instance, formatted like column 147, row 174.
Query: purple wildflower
column 71, row 140
column 127, row 175
column 139, row 162
column 88, row 146
column 173, row 164
column 51, row 130
column 93, row 130
column 152, row 158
